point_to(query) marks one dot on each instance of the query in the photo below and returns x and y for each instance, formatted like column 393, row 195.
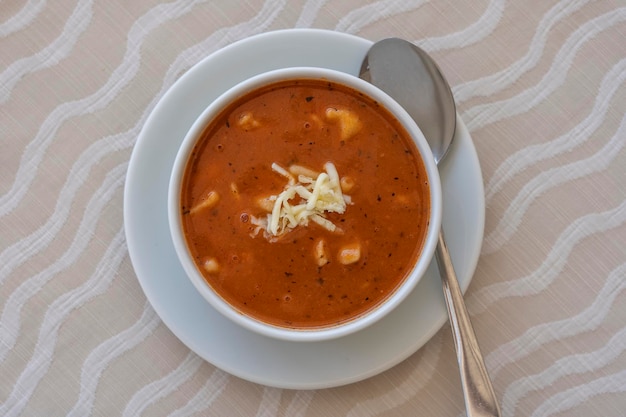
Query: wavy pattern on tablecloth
column 300, row 403
column 534, row 338
column 164, row 386
column 35, row 151
column 56, row 314
column 23, row 18
column 566, row 400
column 419, row 378
column 553, row 264
column 473, row 33
column 309, row 13
column 566, row 142
column 101, row 357
column 499, row 81
column 479, row 116
column 41, row 293
column 366, row 15
column 551, row 178
column 12, row 309
column 209, row 392
column 577, row 363
column 57, row 50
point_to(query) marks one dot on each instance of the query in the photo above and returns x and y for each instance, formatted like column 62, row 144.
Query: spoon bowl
column 409, row 75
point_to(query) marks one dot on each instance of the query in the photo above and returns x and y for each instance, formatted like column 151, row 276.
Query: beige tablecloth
column 541, row 86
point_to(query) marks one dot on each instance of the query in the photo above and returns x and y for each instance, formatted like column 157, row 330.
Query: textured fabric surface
column 541, row 86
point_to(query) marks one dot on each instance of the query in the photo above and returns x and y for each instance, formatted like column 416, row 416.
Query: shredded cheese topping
column 304, row 199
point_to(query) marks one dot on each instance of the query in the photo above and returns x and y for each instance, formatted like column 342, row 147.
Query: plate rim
column 131, row 241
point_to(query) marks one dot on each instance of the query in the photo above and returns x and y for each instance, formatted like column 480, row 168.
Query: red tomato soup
column 305, row 204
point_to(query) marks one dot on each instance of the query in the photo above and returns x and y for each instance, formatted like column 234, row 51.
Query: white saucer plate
column 233, row 349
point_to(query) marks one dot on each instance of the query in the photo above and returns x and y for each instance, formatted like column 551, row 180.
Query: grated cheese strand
column 318, row 196
column 282, row 171
column 322, row 179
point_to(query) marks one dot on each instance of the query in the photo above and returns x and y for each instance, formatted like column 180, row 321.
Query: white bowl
column 314, row 334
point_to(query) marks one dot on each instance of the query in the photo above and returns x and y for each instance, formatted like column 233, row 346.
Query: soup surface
column 305, row 204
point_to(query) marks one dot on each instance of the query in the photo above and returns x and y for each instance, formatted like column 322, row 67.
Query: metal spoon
column 412, row 78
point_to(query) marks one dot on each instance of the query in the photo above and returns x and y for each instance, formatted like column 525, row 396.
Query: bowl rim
column 295, row 334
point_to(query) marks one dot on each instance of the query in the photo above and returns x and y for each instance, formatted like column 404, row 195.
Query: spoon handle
column 480, row 399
